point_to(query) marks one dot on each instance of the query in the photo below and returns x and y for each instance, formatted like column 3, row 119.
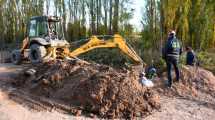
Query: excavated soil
column 93, row 88
column 102, row 91
column 195, row 83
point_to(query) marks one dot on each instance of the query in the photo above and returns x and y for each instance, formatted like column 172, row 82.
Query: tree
column 110, row 16
column 116, row 16
column 192, row 20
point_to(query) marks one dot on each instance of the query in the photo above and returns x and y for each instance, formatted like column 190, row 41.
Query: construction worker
column 171, row 53
column 151, row 72
column 190, row 58
column 52, row 31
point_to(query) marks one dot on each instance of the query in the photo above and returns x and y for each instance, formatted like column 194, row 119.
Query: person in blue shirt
column 190, row 58
column 171, row 53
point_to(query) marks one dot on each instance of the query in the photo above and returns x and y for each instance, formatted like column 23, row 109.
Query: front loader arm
column 116, row 42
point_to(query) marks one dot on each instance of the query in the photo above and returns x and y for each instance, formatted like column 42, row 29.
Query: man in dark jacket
column 190, row 58
column 171, row 53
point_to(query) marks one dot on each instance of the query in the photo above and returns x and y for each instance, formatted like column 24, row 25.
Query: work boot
column 177, row 80
column 168, row 84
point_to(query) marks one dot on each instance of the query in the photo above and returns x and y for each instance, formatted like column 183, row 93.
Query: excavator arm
column 116, row 42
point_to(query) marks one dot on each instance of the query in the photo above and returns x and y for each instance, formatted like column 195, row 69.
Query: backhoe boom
column 116, row 42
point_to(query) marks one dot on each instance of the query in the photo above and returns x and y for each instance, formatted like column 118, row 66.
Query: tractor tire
column 37, row 53
column 16, row 57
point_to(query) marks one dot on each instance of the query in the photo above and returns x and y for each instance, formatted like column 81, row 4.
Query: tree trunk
column 106, row 15
column 110, row 16
column 64, row 17
column 116, row 17
column 161, row 24
column 47, row 7
column 92, row 17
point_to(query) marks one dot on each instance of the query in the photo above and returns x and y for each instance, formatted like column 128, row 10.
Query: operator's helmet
column 172, row 33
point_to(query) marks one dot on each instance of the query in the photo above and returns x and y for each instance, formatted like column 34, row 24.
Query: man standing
column 171, row 53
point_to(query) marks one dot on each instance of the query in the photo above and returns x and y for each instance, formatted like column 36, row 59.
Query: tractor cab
column 44, row 26
column 46, row 30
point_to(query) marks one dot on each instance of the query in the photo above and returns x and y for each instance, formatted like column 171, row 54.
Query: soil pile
column 97, row 89
column 194, row 83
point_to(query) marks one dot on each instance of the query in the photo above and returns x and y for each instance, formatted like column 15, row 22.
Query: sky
column 137, row 5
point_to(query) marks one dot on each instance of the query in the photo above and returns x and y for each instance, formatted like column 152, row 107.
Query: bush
column 207, row 60
column 108, row 56
column 153, row 58
column 160, row 65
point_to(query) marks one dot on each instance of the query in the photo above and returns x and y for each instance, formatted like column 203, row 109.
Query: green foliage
column 76, row 31
column 127, row 30
column 160, row 65
column 112, row 57
column 81, row 18
column 193, row 21
column 14, row 15
column 146, row 38
column 182, row 60
column 207, row 60
column 150, row 21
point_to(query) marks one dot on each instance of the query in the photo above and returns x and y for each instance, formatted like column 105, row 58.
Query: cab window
column 38, row 28
column 32, row 31
column 42, row 28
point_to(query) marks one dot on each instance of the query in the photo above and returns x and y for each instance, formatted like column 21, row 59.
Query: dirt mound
column 194, row 83
column 97, row 89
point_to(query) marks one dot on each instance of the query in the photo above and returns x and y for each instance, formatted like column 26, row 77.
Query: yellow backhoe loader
column 45, row 40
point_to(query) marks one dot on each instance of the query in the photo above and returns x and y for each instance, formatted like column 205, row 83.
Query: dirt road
column 9, row 110
column 8, row 70
column 172, row 108
column 182, row 109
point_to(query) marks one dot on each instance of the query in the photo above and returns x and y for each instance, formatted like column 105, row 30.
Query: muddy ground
column 175, row 104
